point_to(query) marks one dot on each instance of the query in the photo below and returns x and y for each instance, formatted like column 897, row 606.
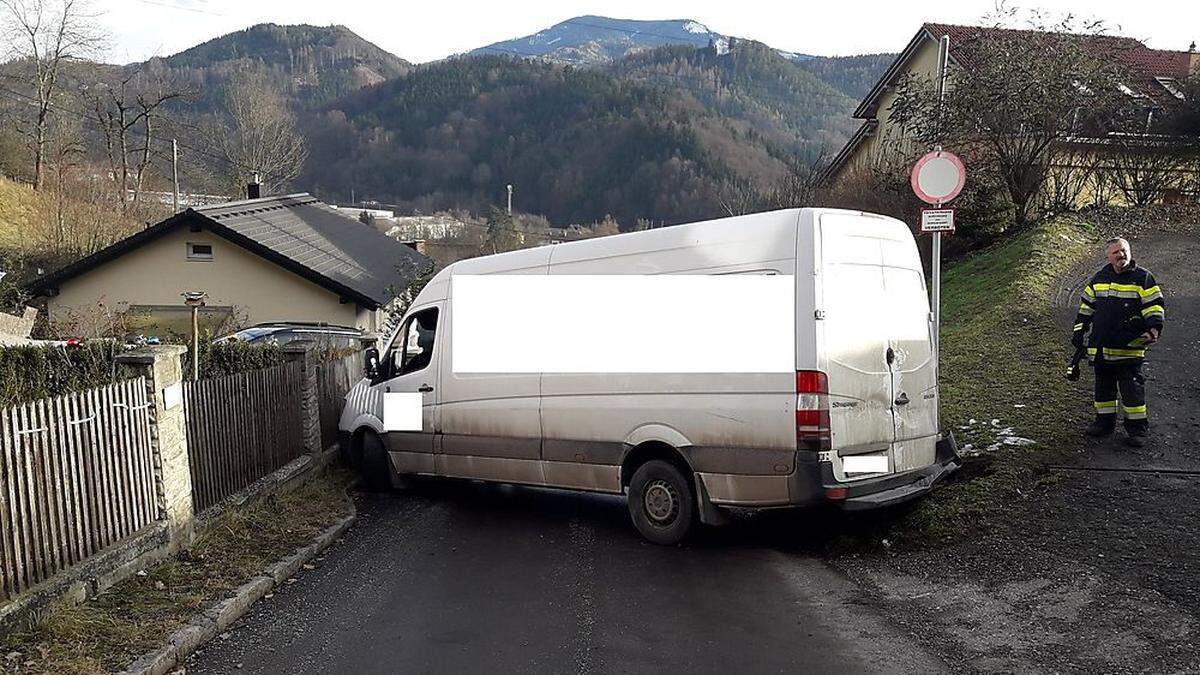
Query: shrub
column 32, row 372
column 218, row 360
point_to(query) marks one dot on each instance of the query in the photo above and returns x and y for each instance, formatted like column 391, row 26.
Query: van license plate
column 865, row 463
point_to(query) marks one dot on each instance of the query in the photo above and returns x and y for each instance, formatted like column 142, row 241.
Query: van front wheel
column 661, row 502
column 373, row 465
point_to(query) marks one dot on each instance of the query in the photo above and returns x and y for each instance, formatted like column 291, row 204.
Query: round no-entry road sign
column 938, row 177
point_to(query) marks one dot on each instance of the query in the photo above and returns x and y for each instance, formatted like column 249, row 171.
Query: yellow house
column 281, row 258
column 880, row 145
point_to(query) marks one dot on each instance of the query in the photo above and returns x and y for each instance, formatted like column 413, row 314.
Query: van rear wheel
column 661, row 502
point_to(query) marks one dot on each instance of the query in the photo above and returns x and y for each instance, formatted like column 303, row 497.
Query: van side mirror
column 371, row 362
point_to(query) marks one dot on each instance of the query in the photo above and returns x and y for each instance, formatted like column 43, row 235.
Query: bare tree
column 739, row 196
column 1068, row 178
column 44, row 36
column 1017, row 96
column 258, row 134
column 1148, row 170
column 127, row 117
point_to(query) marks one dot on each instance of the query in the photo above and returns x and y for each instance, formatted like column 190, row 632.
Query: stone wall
column 18, row 327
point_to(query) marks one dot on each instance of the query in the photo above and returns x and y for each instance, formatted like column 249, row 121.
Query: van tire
column 373, row 465
column 662, row 503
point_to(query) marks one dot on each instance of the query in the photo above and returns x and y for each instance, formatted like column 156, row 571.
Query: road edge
column 841, row 602
column 212, row 622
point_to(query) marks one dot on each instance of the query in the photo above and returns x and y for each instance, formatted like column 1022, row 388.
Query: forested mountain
column 312, row 65
column 793, row 111
column 599, row 40
column 852, row 75
column 666, row 121
column 577, row 144
column 664, row 134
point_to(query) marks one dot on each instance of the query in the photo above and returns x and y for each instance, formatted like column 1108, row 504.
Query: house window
column 199, row 251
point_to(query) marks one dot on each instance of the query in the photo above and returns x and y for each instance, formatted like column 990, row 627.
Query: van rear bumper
column 812, row 482
column 890, row 490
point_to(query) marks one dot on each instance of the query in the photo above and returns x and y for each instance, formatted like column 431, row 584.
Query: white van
column 853, row 423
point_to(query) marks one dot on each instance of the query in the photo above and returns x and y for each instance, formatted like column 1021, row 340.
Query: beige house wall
column 889, row 144
column 157, row 273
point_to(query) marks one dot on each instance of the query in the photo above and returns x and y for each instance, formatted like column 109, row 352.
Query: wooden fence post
column 161, row 366
column 310, row 407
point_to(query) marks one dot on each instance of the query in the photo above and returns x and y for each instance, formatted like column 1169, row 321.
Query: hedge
column 218, row 360
column 31, row 372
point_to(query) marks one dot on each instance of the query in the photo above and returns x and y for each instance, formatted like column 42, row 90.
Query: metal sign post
column 936, row 254
column 937, row 178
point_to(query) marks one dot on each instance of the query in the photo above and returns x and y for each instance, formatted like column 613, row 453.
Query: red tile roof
column 1144, row 63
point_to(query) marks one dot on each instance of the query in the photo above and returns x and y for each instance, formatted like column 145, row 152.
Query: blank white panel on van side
column 589, row 415
column 494, row 414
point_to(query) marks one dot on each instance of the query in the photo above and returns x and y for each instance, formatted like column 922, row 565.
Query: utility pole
column 175, row 172
column 510, row 199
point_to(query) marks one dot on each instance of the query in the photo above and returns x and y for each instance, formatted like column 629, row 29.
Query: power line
column 169, row 5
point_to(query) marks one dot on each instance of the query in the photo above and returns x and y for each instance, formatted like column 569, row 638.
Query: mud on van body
column 853, row 421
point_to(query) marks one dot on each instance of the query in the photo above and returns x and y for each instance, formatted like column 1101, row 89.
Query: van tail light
column 812, row 410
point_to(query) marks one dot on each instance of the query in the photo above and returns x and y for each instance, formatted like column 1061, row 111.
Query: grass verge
column 1003, row 393
column 108, row 632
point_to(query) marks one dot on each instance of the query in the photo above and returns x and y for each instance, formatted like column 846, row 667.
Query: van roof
column 733, row 228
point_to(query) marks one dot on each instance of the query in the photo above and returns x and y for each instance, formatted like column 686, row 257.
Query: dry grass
column 137, row 615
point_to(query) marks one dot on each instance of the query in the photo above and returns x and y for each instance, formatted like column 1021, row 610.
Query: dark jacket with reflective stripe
column 1119, row 307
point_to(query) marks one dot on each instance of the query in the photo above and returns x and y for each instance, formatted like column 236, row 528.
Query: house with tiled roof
column 288, row 258
column 1155, row 78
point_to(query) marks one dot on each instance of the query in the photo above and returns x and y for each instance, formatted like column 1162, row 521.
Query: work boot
column 1098, row 428
column 1135, row 438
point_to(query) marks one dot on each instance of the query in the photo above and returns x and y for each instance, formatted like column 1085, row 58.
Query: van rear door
column 855, row 342
column 914, row 373
column 877, row 344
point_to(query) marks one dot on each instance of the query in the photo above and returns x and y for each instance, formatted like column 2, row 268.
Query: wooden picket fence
column 242, row 427
column 334, row 379
column 76, row 476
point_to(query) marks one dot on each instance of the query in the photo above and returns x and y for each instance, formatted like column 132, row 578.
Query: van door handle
column 902, row 399
column 890, row 355
column 426, row 388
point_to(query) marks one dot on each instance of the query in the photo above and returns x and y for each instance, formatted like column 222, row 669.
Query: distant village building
column 880, row 143
column 358, row 211
column 438, row 226
column 281, row 258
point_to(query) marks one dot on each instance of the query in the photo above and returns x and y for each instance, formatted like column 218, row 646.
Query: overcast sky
column 425, row 30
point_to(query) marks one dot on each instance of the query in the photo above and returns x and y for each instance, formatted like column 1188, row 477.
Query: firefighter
column 1123, row 307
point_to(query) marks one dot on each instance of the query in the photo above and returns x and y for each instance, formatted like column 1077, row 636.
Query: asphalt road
column 465, row 577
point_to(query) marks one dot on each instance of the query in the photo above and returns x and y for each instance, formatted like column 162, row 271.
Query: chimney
column 1193, row 60
column 254, row 189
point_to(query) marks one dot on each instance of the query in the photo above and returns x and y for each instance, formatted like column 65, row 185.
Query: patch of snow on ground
column 721, row 45
column 992, row 433
column 693, row 27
